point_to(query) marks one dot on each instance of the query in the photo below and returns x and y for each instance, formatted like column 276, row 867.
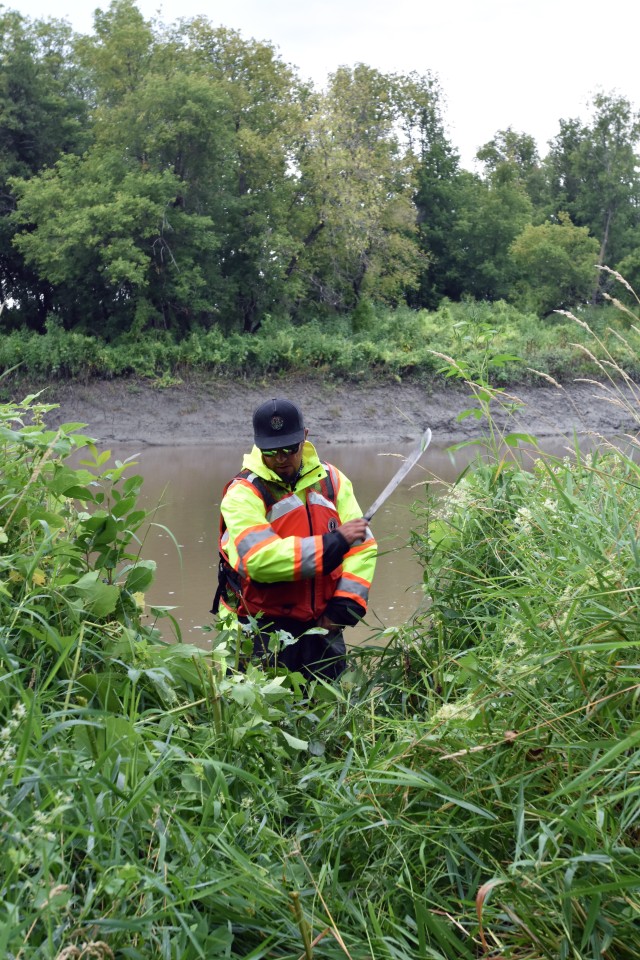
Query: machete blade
column 398, row 477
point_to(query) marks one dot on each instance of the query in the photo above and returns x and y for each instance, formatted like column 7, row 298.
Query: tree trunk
column 308, row 240
column 603, row 250
column 249, row 310
column 356, row 284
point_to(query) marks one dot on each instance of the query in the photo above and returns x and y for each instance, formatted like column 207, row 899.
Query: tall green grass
column 392, row 344
column 469, row 788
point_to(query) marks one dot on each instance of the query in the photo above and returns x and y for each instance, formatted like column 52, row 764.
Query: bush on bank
column 467, row 789
column 388, row 344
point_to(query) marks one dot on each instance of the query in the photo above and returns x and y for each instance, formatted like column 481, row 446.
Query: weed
column 468, row 788
column 394, row 345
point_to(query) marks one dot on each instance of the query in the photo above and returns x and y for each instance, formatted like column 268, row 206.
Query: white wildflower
column 523, row 519
column 449, row 710
column 515, row 643
column 458, row 499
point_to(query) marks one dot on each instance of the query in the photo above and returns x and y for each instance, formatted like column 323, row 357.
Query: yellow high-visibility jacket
column 289, row 556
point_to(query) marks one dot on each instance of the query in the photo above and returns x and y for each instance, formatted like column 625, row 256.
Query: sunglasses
column 286, row 450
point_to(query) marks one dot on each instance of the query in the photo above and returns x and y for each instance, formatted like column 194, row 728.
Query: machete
column 410, row 462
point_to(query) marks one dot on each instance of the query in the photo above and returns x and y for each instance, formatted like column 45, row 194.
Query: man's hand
column 354, row 530
column 328, row 624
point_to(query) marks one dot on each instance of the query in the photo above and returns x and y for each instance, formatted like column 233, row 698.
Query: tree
column 487, row 218
column 628, row 290
column 266, row 114
column 594, row 175
column 467, row 223
column 123, row 234
column 93, row 230
column 177, row 126
column 42, row 116
column 183, row 209
column 555, row 265
column 358, row 238
column 512, row 157
column 437, row 172
column 118, row 54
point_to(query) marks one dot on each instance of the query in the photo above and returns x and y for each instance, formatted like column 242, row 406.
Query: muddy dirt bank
column 214, row 411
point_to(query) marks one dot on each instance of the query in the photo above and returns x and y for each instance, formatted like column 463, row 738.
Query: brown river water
column 187, row 482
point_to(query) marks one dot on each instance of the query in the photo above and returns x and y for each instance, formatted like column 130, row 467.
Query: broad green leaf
column 295, row 742
column 513, row 439
column 141, row 576
column 98, row 597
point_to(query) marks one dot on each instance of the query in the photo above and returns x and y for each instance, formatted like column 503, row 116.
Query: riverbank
column 219, row 411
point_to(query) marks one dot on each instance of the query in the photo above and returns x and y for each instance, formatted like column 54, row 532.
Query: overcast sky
column 519, row 63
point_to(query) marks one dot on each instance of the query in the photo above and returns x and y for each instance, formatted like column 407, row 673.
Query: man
column 300, row 553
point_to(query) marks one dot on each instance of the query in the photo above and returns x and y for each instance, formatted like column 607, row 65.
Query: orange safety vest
column 288, row 515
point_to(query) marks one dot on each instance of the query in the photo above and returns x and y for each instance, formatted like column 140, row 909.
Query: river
column 186, row 482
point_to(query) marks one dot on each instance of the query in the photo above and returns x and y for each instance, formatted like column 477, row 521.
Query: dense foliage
column 181, row 178
column 468, row 788
column 388, row 345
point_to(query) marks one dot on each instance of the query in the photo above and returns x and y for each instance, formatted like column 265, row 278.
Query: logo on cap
column 277, row 423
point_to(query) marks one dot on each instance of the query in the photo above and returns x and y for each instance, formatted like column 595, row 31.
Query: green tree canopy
column 555, row 265
column 177, row 177
column 357, row 177
column 175, row 215
column 513, row 157
column 43, row 115
column 436, row 196
column 486, row 220
column 594, row 175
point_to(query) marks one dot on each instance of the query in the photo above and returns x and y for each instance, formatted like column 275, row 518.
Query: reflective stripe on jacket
column 277, row 548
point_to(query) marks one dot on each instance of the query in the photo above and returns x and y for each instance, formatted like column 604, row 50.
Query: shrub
column 467, row 787
column 393, row 344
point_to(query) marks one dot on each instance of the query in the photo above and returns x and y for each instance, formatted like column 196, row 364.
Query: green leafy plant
column 394, row 345
column 468, row 788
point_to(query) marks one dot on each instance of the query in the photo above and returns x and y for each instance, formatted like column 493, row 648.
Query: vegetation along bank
column 467, row 788
column 179, row 179
column 185, row 221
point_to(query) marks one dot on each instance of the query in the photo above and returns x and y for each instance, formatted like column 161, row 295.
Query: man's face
column 284, row 461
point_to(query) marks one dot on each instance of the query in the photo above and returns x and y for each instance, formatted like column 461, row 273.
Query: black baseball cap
column 277, row 423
